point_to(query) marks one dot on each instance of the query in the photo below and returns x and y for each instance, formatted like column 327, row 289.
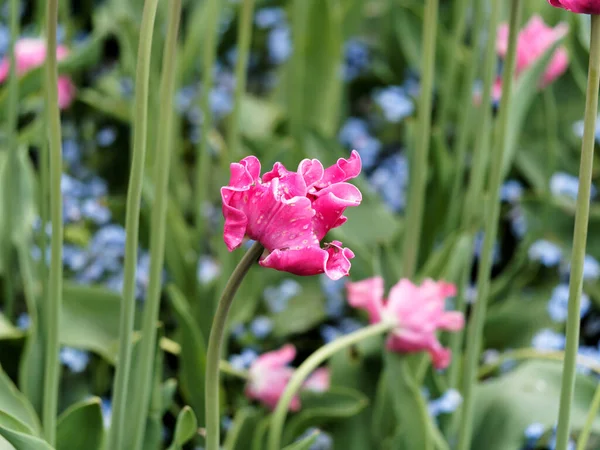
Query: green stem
column 298, row 66
column 132, row 219
column 203, row 155
column 589, row 422
column 227, row 368
column 474, row 196
column 158, row 229
column 243, row 50
column 458, row 32
column 52, row 367
column 551, row 113
column 215, row 343
column 418, row 171
column 307, row 367
column 467, row 118
column 475, row 330
column 582, row 213
column 13, row 133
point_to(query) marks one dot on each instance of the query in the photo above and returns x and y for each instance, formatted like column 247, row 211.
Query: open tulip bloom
column 578, row 6
column 289, row 213
column 418, row 312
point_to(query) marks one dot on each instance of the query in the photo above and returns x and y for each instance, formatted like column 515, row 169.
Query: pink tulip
column 578, row 6
column 417, row 311
column 533, row 41
column 289, row 213
column 30, row 54
column 270, row 374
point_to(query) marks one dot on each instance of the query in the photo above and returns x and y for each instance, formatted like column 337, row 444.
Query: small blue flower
column 208, row 269
column 478, row 247
column 546, row 252
column 106, row 136
column 221, row 101
column 511, row 191
column 184, row 98
column 566, row 185
column 559, row 303
column 591, row 268
column 76, row 360
column 334, row 298
column 354, row 134
column 279, row 44
column 548, row 340
column 390, row 180
column 329, row 333
column 93, row 210
column 446, row 404
column 261, row 327
column 75, row 258
column 23, row 321
column 518, row 221
column 106, row 407
column 534, row 431
column 394, row 102
column 244, row 359
column 277, row 298
column 269, row 17
column 4, row 40
column 356, row 59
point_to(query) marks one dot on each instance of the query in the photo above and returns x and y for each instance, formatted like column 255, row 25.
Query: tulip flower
column 578, row 6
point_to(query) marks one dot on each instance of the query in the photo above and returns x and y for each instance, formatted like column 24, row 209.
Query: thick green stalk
column 582, row 213
column 243, row 51
column 307, row 367
column 418, row 170
column 158, row 228
column 215, row 343
column 467, row 117
column 459, row 20
column 298, row 69
column 209, row 53
column 589, row 422
column 12, row 131
column 475, row 330
column 474, row 196
column 52, row 310
column 132, row 219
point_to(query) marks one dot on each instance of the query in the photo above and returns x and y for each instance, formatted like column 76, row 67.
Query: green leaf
column 168, row 390
column 258, row 117
column 185, row 428
column 8, row 331
column 193, row 353
column 303, row 312
column 22, row 441
column 409, row 405
column 321, row 408
column 244, row 427
column 12, row 423
column 90, row 319
column 15, row 404
column 303, row 444
column 505, row 406
column 81, row 426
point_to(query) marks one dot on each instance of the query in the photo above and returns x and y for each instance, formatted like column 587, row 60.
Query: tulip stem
column 52, row 310
column 243, row 47
column 582, row 213
column 132, row 221
column 475, row 329
column 307, row 367
column 418, row 170
column 215, row 343
column 589, row 422
column 157, row 231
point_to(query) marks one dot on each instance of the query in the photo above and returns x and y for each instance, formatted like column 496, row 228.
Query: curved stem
column 215, row 343
column 243, row 51
column 52, row 366
column 209, row 53
column 476, row 177
column 158, row 229
column 589, row 422
column 475, row 331
column 227, row 368
column 582, row 213
column 418, row 170
column 132, row 219
column 307, row 367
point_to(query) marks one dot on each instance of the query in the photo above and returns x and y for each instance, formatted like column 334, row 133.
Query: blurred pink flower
column 578, row 6
column 30, row 54
column 290, row 212
column 418, row 312
column 534, row 40
column 270, row 374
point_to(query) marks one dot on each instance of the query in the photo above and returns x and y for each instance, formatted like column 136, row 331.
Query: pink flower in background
column 418, row 311
column 534, row 40
column 30, row 54
column 578, row 6
column 270, row 374
column 289, row 213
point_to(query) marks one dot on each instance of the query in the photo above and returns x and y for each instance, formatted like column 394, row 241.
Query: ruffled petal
column 343, row 170
column 319, row 380
column 66, row 92
column 311, row 170
column 330, row 204
column 276, row 358
column 368, row 295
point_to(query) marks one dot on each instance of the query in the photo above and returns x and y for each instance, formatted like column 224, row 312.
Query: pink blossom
column 417, row 311
column 270, row 373
column 578, row 6
column 289, row 213
column 30, row 54
column 534, row 40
